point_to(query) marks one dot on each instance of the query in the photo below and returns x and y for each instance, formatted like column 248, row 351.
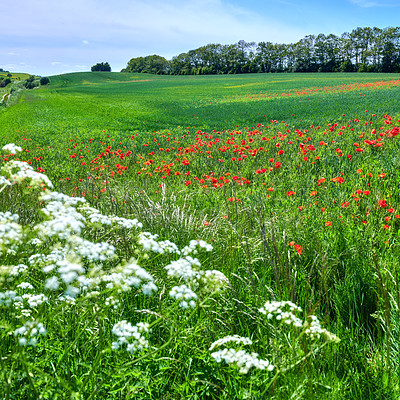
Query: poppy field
column 201, row 237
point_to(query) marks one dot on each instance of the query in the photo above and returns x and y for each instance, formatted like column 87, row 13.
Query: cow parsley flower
column 282, row 311
column 18, row 269
column 11, row 232
column 27, row 333
column 19, row 171
column 4, row 181
column 182, row 268
column 130, row 335
column 241, row 359
column 126, row 223
column 194, row 244
column 34, row 300
column 62, row 198
column 230, row 339
column 185, row 294
column 12, row 148
column 8, row 297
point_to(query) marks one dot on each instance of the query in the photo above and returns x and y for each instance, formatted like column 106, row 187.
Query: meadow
column 201, row 237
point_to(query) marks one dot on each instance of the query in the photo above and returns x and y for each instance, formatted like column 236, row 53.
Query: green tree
column 150, row 64
column 44, row 81
column 101, row 67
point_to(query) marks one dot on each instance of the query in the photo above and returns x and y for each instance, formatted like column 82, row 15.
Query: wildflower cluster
column 239, row 358
column 27, row 334
column 188, row 269
column 285, row 311
column 131, row 336
column 51, row 262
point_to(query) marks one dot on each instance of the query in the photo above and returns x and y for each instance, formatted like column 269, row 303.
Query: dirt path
column 4, row 97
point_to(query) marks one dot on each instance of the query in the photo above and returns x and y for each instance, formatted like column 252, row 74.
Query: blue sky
column 49, row 37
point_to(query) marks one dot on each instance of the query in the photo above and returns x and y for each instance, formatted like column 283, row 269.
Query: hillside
column 140, row 102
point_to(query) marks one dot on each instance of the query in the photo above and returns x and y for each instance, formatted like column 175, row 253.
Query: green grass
column 249, row 164
column 129, row 102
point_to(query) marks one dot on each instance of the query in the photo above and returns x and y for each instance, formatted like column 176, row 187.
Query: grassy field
column 292, row 178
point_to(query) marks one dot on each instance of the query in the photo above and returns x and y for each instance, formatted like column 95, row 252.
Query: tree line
column 362, row 50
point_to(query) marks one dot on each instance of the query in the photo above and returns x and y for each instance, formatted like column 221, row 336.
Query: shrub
column 44, row 81
column 5, row 82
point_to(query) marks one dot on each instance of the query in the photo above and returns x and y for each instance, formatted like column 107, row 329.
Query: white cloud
column 85, row 42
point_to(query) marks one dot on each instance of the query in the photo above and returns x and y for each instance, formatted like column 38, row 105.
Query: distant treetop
column 363, row 50
column 101, row 67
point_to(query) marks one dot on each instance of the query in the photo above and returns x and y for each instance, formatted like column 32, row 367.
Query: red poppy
column 299, row 249
column 382, row 203
column 338, row 179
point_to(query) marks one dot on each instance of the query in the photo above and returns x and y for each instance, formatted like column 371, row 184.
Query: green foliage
column 31, row 82
column 5, row 82
column 104, row 66
column 44, row 81
column 151, row 64
column 363, row 50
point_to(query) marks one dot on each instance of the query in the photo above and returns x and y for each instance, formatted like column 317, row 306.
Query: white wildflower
column 25, row 285
column 4, row 181
column 131, row 335
column 64, row 221
column 92, row 251
column 279, row 310
column 69, row 271
column 18, row 269
column 62, row 198
column 11, row 233
column 315, row 330
column 182, row 268
column 34, row 300
column 8, row 297
column 127, row 223
column 27, row 334
column 12, row 148
column 35, row 241
column 52, row 283
column 194, row 244
column 185, row 294
column 149, row 288
column 234, row 339
column 149, row 243
column 18, row 171
column 243, row 360
column 112, row 301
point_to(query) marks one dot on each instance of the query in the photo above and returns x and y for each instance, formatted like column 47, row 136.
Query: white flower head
column 12, row 148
